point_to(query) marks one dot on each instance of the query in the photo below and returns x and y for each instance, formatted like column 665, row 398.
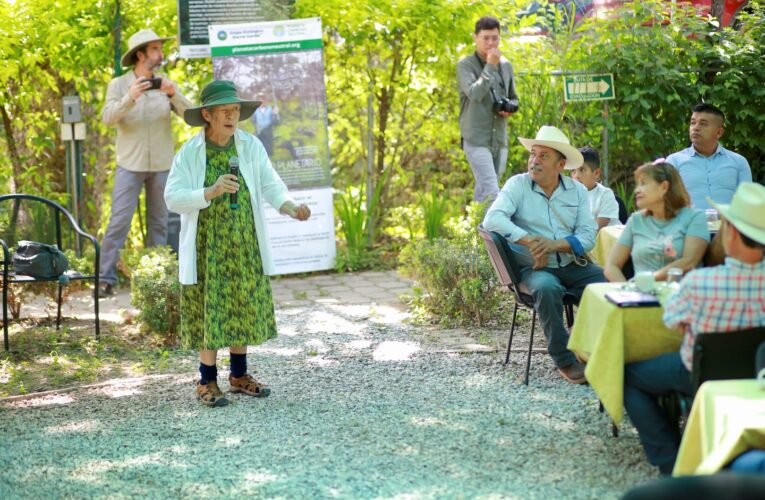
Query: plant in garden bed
column 434, row 208
column 156, row 292
column 455, row 276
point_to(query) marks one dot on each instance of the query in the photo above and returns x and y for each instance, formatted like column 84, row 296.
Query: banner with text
column 195, row 17
column 281, row 64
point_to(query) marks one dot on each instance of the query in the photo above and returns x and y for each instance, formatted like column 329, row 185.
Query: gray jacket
column 479, row 124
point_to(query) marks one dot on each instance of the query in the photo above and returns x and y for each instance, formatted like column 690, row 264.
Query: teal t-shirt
column 655, row 243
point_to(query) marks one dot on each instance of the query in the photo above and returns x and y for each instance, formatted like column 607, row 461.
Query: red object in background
column 703, row 7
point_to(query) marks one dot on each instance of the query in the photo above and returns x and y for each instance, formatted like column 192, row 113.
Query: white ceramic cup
column 644, row 280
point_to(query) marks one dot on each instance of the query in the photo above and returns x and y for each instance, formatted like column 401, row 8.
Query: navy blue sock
column 238, row 364
column 208, row 373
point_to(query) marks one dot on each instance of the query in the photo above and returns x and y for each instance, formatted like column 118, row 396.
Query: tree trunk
column 716, row 11
column 13, row 152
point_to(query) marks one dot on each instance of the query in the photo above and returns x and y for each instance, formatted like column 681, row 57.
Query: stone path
column 385, row 289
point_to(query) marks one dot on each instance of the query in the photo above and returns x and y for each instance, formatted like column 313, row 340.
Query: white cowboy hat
column 746, row 210
column 553, row 138
column 137, row 41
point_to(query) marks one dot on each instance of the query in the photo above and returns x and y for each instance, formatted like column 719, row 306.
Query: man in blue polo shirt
column 547, row 221
column 707, row 168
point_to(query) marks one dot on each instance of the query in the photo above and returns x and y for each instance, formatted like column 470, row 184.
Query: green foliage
column 156, row 292
column 43, row 358
column 434, row 207
column 52, row 49
column 403, row 54
column 350, row 259
column 455, row 273
column 352, row 218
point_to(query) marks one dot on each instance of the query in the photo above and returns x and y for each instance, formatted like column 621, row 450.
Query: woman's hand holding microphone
column 226, row 183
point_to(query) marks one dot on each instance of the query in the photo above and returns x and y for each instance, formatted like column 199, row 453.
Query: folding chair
column 509, row 274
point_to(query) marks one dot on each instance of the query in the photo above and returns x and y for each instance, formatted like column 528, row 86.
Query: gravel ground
column 359, row 409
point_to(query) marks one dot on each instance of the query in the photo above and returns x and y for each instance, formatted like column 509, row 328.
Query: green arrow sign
column 588, row 87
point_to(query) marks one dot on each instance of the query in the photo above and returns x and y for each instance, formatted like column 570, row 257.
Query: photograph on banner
column 281, row 64
column 292, row 119
column 195, row 16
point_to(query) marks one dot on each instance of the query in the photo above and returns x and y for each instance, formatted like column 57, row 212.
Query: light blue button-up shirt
column 522, row 208
column 716, row 176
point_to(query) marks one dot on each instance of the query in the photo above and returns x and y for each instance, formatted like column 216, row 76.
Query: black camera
column 156, row 83
column 503, row 104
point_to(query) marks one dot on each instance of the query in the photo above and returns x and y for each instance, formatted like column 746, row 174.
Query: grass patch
column 43, row 358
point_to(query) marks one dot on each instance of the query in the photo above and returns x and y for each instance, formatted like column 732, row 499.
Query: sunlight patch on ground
column 357, row 345
column 230, row 441
column 321, row 321
column 320, row 361
column 476, row 380
column 91, row 470
column 53, row 399
column 428, row 421
column 260, row 477
column 550, row 421
column 316, row 346
column 389, row 315
column 395, row 351
column 279, row 351
column 437, row 422
column 289, row 331
column 84, row 426
column 121, row 388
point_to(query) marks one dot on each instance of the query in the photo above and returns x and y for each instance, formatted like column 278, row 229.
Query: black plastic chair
column 623, row 215
column 726, row 356
column 716, row 356
column 25, row 216
column 509, row 275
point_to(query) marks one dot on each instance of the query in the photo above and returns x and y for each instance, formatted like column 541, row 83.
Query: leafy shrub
column 352, row 259
column 456, row 273
column 156, row 291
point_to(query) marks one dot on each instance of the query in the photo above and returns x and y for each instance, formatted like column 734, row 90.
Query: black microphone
column 233, row 164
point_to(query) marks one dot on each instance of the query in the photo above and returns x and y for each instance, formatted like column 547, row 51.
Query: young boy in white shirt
column 602, row 201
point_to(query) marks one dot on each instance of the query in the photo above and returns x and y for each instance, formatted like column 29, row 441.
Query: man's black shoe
column 105, row 290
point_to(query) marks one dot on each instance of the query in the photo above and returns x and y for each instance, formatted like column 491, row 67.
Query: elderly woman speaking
column 225, row 294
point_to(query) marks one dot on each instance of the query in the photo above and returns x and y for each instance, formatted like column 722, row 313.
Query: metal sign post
column 73, row 133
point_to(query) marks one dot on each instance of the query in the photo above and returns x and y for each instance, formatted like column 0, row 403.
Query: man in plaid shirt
column 715, row 299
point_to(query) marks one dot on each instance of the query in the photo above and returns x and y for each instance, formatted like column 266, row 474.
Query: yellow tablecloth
column 727, row 418
column 607, row 337
column 605, row 240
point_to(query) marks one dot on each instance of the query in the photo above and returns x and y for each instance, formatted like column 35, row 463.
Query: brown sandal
column 210, row 395
column 248, row 385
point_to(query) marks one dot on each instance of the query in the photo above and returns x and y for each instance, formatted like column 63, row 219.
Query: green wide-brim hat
column 216, row 93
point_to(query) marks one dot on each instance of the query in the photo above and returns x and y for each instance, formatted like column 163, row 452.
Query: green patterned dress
column 231, row 304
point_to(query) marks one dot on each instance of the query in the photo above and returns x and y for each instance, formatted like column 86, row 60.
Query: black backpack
column 39, row 260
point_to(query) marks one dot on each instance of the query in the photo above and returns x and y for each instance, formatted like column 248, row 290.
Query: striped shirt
column 717, row 299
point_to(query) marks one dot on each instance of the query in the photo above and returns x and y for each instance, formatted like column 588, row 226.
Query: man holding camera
column 487, row 99
column 139, row 104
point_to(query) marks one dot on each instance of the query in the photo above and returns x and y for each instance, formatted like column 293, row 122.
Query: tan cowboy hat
column 216, row 93
column 746, row 210
column 137, row 41
column 553, row 138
